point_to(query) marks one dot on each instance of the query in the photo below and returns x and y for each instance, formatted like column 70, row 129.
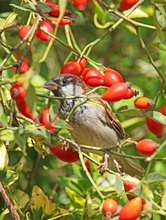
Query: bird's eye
column 64, row 81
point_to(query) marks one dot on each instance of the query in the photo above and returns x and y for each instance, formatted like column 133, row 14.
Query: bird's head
column 66, row 85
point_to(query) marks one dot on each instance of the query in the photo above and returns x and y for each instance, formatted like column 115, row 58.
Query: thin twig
column 8, row 203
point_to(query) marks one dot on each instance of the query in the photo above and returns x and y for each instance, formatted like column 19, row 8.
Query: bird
column 92, row 121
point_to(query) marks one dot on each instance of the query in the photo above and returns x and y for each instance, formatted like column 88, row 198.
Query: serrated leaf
column 155, row 178
column 157, row 116
column 8, row 177
column 3, row 156
column 77, row 200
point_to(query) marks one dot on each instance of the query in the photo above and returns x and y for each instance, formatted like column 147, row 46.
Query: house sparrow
column 91, row 118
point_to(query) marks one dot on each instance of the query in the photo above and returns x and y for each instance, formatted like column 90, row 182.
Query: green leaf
column 163, row 200
column 31, row 98
column 21, row 8
column 53, row 111
column 77, row 200
column 155, row 178
column 8, row 177
column 147, row 191
column 126, row 110
column 14, row 157
column 63, row 5
column 43, row 7
column 157, row 116
column 61, row 124
column 21, row 198
column 3, row 118
column 8, row 22
column 118, row 185
column 4, row 156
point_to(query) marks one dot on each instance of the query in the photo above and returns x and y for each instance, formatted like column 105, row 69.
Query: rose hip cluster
column 117, row 88
column 48, row 25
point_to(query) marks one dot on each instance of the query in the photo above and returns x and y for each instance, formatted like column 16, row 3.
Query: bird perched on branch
column 92, row 121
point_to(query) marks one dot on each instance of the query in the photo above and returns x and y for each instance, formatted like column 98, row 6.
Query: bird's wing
column 112, row 120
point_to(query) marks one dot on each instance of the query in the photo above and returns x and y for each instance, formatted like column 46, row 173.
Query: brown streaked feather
column 113, row 121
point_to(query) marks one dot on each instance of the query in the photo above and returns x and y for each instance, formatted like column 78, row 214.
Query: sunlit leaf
column 63, row 5
column 157, row 116
column 137, row 13
column 77, row 200
column 4, row 159
column 6, row 135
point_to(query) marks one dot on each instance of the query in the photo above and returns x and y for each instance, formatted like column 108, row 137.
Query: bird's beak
column 50, row 85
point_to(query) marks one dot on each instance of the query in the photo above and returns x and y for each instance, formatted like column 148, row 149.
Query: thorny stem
column 8, row 203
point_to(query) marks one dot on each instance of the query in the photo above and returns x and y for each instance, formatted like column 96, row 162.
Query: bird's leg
column 117, row 166
column 104, row 165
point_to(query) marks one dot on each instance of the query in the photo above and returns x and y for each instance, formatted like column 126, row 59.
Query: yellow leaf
column 138, row 13
column 41, row 202
column 75, row 198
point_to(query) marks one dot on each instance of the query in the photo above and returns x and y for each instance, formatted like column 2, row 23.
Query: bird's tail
column 128, row 166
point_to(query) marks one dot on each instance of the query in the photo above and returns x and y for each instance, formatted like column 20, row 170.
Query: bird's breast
column 89, row 125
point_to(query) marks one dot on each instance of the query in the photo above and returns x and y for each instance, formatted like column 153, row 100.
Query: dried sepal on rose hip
column 143, row 102
column 147, row 146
